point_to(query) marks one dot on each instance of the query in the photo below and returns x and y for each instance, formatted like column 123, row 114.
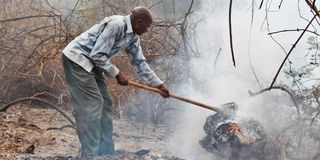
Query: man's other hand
column 122, row 79
column 165, row 92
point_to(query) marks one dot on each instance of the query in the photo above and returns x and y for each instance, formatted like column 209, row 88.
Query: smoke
column 222, row 82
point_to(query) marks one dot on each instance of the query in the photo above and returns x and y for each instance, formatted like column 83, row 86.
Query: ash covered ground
column 37, row 133
column 42, row 133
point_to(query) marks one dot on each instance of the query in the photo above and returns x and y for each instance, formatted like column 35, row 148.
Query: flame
column 233, row 128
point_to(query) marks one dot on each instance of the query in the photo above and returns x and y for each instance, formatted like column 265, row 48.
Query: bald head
column 141, row 12
column 141, row 19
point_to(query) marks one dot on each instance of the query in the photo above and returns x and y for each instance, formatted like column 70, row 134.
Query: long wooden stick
column 138, row 85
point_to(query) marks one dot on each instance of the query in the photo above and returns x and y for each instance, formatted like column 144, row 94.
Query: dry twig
column 287, row 56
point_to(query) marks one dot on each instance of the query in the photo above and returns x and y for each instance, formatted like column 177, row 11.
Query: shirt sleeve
column 101, row 49
column 140, row 65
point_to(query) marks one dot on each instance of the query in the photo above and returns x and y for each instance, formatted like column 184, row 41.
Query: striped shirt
column 96, row 46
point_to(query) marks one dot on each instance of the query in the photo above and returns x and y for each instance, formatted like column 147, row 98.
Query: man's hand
column 165, row 92
column 122, row 79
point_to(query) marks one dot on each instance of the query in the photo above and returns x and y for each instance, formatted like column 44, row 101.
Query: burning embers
column 233, row 128
column 227, row 133
column 231, row 133
column 237, row 140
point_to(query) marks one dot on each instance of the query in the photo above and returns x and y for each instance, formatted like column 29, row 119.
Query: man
column 85, row 60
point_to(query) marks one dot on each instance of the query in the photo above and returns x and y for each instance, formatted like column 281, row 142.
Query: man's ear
column 139, row 21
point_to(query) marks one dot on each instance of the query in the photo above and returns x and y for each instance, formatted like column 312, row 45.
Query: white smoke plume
column 222, row 82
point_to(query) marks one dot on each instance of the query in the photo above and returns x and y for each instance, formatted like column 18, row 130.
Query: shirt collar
column 129, row 26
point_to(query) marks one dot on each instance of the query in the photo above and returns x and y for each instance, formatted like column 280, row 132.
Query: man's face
column 141, row 26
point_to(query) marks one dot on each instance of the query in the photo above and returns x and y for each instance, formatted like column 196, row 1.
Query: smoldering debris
column 247, row 139
column 120, row 155
column 236, row 139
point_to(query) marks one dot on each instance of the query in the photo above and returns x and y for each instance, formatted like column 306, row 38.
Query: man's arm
column 142, row 68
column 140, row 65
column 101, row 49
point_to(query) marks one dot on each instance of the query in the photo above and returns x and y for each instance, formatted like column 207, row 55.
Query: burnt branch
column 5, row 107
column 230, row 34
column 280, row 4
column 280, row 88
column 261, row 3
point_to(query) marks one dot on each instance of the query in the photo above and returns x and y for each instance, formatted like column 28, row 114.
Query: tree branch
column 26, row 17
column 260, row 6
column 313, row 7
column 230, row 33
column 5, row 107
column 290, row 30
column 287, row 56
column 281, row 88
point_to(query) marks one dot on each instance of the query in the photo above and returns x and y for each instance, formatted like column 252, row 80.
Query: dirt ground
column 37, row 130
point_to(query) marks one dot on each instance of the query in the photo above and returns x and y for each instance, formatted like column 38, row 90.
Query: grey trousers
column 92, row 106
